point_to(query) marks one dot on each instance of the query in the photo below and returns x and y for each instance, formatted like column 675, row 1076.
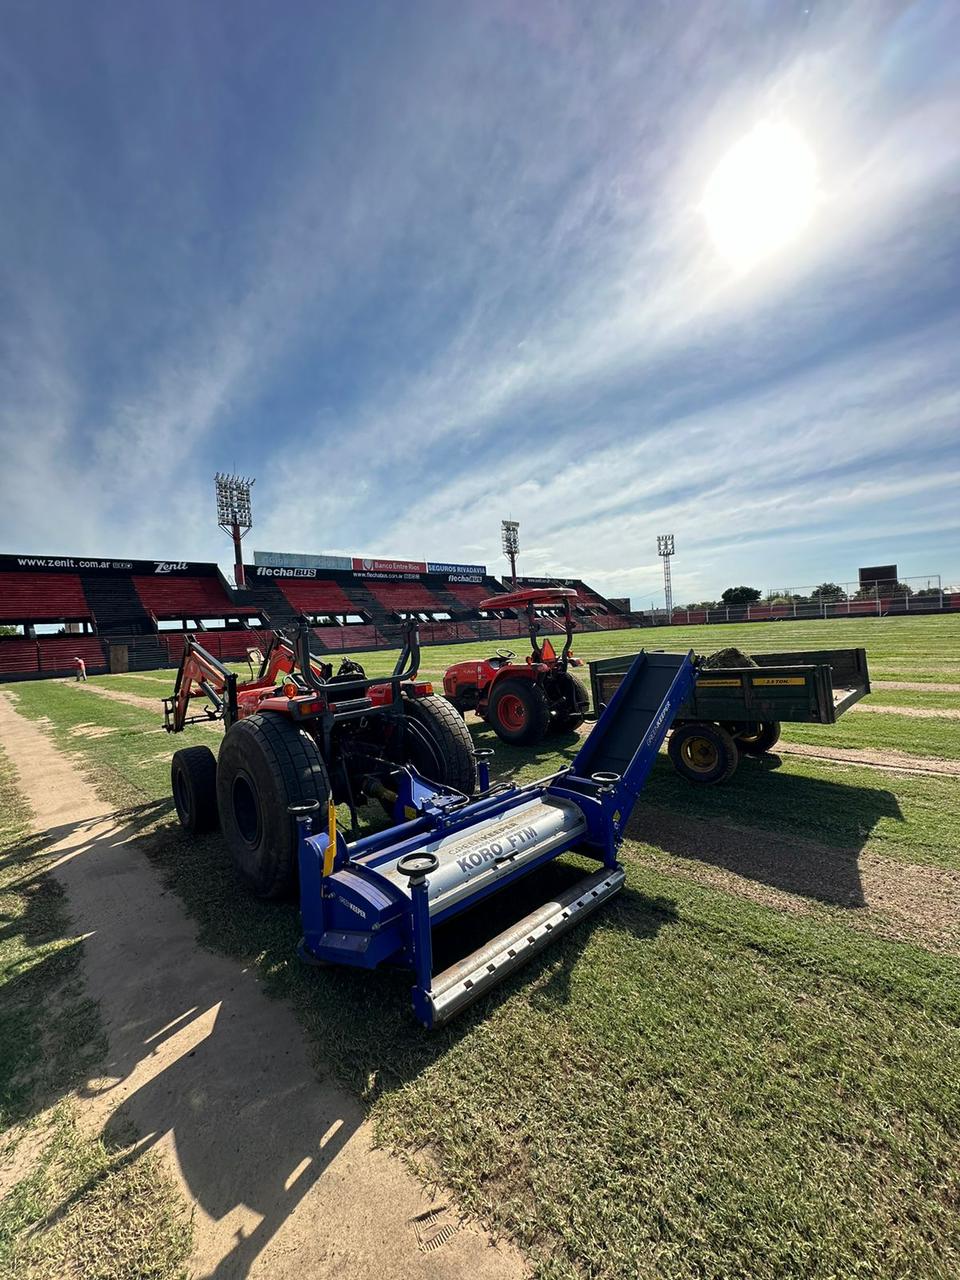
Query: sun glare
column 761, row 195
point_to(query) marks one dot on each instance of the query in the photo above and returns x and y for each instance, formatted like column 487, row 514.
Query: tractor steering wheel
column 505, row 654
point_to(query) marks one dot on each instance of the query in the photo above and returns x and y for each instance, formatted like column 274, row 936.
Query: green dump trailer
column 736, row 711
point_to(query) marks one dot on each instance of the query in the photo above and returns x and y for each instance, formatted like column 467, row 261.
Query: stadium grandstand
column 133, row 615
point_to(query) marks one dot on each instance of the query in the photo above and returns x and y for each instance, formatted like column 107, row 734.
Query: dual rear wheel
column 267, row 763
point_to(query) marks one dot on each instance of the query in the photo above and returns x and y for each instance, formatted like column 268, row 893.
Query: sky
column 417, row 267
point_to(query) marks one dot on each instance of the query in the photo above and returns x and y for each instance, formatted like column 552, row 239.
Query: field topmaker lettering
column 497, row 849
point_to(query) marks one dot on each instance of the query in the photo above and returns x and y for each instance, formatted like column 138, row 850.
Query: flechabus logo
column 267, row 571
column 170, row 566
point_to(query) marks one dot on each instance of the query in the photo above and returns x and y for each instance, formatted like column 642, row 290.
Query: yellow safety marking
column 718, row 684
column 778, row 680
column 331, row 849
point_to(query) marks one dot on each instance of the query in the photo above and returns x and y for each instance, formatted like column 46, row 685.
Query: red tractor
column 298, row 734
column 523, row 701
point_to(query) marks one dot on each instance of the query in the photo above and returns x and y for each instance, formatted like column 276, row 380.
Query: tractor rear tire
column 519, row 712
column 193, row 781
column 573, row 715
column 452, row 762
column 703, row 753
column 756, row 740
column 266, row 764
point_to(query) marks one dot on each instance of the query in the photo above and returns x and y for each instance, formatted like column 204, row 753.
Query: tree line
column 825, row 593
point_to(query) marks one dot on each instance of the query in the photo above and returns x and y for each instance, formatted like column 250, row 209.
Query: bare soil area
column 898, row 761
column 914, row 903
column 917, row 713
column 914, row 686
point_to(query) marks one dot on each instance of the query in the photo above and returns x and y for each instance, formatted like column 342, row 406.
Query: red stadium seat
column 42, row 597
column 18, row 656
column 57, row 653
column 183, row 597
column 316, row 595
column 404, row 597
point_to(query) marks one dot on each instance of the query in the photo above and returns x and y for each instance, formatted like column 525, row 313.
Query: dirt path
column 118, row 695
column 918, row 713
column 909, row 902
column 914, row 686
column 137, row 700
column 891, row 761
column 897, row 761
column 279, row 1164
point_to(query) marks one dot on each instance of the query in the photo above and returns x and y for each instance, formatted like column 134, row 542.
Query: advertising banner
column 89, row 564
column 362, row 564
column 298, row 560
column 471, row 570
column 281, row 571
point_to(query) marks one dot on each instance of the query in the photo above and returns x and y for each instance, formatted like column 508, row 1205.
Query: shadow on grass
column 50, row 1035
column 800, row 834
column 186, row 1030
column 552, row 753
column 360, row 1023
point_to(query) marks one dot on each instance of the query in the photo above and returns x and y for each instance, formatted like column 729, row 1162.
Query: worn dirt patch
column 279, row 1165
column 117, row 695
column 892, row 761
column 895, row 761
column 22, row 1148
column 914, row 686
column 135, row 700
column 91, row 731
column 917, row 713
column 914, row 903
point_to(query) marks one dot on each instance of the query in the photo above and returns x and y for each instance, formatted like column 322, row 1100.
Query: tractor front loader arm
column 200, row 673
column 285, row 653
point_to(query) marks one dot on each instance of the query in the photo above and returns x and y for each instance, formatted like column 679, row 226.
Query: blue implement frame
column 384, row 894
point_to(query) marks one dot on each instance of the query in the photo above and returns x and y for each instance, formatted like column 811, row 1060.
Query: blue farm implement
column 381, row 899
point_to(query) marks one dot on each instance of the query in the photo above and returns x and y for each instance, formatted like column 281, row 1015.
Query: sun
column 761, row 195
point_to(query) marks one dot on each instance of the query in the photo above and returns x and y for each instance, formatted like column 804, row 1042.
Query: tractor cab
column 525, row 700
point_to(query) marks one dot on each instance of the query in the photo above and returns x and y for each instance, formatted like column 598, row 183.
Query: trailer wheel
column 519, row 711
column 703, row 753
column 756, row 739
column 193, row 781
column 266, row 764
column 448, row 758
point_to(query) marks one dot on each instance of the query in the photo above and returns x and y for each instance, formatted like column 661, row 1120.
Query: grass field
column 749, row 1065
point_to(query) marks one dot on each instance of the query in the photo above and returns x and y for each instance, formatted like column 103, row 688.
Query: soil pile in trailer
column 728, row 658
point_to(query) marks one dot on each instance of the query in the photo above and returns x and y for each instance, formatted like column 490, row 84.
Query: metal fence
column 923, row 594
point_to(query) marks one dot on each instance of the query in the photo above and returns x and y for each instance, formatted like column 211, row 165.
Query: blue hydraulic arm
column 610, row 769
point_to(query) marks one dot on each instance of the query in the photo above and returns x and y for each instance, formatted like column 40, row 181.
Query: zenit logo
column 170, row 566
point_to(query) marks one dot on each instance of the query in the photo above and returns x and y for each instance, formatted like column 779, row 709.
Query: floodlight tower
column 665, row 549
column 234, row 514
column 510, row 541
